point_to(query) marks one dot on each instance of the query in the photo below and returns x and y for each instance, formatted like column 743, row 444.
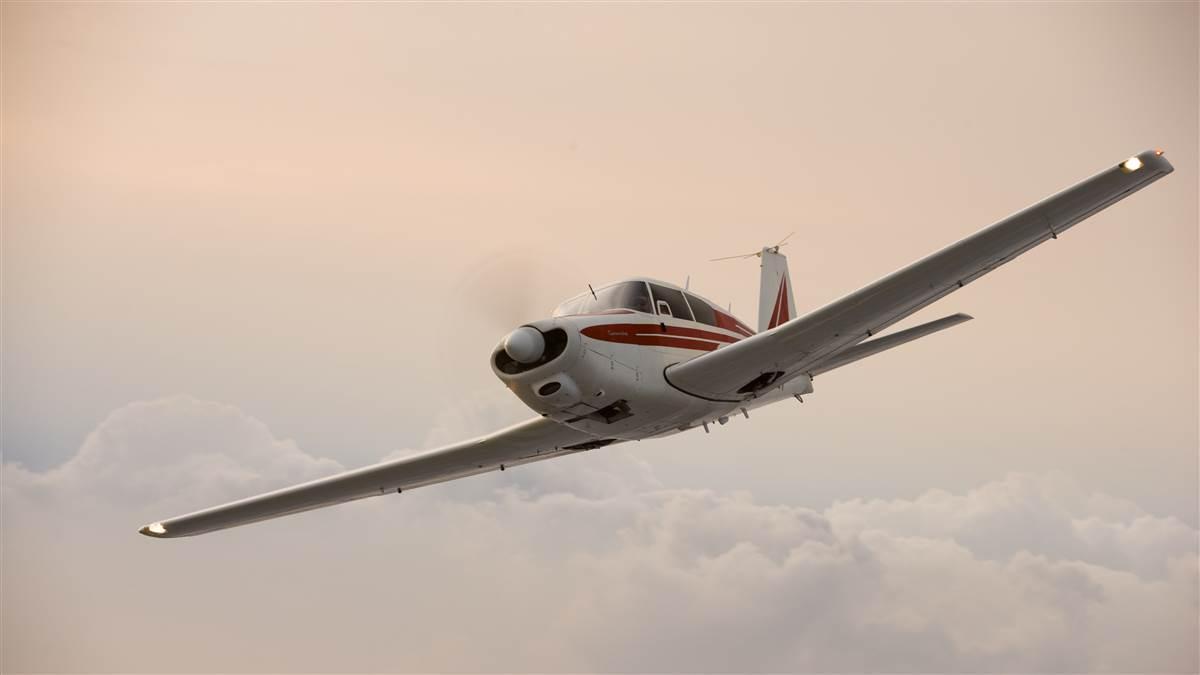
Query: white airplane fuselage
column 603, row 372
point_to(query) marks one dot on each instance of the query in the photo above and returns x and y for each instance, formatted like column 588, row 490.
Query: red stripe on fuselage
column 662, row 340
column 730, row 323
column 654, row 335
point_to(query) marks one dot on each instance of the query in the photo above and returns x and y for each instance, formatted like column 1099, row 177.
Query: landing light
column 156, row 528
column 1130, row 165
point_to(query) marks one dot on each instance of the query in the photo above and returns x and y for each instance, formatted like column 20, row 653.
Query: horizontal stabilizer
column 881, row 344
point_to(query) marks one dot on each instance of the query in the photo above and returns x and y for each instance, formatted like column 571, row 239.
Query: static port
column 549, row 388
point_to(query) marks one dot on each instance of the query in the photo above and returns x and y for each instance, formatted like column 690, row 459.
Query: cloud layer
column 582, row 563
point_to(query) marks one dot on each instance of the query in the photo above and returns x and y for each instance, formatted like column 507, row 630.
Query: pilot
column 641, row 303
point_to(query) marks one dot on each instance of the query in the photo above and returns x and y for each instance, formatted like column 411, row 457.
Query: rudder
column 776, row 302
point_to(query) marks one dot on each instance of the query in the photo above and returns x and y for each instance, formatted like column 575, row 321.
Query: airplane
column 641, row 358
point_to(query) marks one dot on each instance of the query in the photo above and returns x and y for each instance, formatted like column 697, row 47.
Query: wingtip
column 156, row 530
column 1156, row 159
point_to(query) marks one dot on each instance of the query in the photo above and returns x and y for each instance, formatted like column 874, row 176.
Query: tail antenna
column 757, row 254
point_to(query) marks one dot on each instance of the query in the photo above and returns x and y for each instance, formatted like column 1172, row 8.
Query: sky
column 249, row 244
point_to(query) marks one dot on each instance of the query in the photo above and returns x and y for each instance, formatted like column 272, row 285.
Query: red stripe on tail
column 780, row 313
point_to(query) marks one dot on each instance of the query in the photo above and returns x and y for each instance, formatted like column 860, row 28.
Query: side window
column 674, row 299
column 703, row 311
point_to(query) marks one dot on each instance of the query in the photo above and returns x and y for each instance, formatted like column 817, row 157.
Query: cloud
column 582, row 563
column 1050, row 515
column 172, row 451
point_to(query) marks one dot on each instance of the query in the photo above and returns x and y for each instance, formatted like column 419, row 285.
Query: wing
column 537, row 439
column 738, row 371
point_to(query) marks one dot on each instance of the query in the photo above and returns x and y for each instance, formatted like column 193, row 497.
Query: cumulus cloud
column 175, row 450
column 1051, row 515
column 581, row 563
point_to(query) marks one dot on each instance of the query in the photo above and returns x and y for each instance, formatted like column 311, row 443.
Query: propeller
column 501, row 291
column 756, row 254
column 494, row 293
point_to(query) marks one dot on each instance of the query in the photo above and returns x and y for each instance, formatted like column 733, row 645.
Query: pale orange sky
column 325, row 215
column 286, row 209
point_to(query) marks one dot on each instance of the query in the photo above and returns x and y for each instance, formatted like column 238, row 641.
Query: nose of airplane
column 525, row 344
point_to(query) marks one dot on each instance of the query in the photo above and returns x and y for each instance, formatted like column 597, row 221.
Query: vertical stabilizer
column 776, row 302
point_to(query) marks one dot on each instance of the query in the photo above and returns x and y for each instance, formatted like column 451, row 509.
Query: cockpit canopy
column 621, row 295
column 650, row 297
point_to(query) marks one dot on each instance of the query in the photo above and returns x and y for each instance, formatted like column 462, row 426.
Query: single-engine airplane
column 642, row 358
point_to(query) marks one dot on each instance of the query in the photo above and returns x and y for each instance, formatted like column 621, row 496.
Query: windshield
column 625, row 295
